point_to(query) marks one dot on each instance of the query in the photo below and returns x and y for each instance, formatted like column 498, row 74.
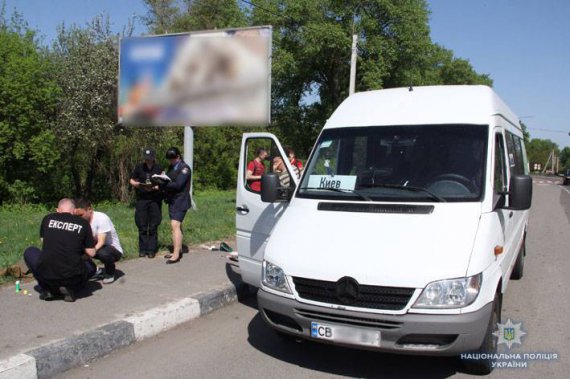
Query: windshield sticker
column 325, row 144
column 332, row 181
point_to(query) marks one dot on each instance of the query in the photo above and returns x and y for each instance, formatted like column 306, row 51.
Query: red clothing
column 297, row 163
column 257, row 168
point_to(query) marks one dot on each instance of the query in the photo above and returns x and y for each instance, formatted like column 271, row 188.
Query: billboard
column 210, row 78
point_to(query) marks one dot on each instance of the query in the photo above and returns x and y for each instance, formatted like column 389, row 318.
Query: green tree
column 27, row 110
column 86, row 61
column 538, row 151
column 447, row 69
column 211, row 14
column 161, row 15
column 525, row 131
column 565, row 158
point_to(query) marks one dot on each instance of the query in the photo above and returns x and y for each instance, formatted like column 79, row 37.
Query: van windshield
column 418, row 163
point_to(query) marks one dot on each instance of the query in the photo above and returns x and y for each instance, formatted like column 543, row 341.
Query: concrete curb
column 59, row 356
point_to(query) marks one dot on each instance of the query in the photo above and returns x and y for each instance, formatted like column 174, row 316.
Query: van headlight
column 450, row 293
column 273, row 277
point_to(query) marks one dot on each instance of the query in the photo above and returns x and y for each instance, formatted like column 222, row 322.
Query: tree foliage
column 565, row 159
column 27, row 110
column 538, row 151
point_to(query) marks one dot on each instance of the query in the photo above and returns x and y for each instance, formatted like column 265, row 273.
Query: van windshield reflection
column 423, row 163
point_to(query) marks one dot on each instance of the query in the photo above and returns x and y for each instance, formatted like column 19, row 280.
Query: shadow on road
column 88, row 290
column 244, row 291
column 347, row 362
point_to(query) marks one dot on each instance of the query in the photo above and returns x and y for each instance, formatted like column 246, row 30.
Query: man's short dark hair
column 82, row 203
column 259, row 150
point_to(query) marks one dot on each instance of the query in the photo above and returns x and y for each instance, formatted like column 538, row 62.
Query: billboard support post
column 189, row 157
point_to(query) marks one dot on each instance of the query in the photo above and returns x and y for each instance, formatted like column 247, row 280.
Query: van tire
column 517, row 272
column 489, row 345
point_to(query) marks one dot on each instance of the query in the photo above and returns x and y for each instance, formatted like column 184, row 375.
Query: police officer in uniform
column 177, row 193
column 148, row 207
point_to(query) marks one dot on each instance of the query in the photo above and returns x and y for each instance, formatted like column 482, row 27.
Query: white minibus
column 404, row 229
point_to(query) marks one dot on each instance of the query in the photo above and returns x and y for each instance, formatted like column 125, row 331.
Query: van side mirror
column 269, row 187
column 520, row 192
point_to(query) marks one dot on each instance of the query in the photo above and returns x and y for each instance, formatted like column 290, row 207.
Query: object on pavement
column 225, row 247
column 233, row 256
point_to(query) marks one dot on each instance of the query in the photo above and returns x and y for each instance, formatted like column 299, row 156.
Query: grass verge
column 214, row 219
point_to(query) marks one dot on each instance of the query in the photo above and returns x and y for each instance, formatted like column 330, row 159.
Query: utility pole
column 554, row 161
column 547, row 162
column 353, row 56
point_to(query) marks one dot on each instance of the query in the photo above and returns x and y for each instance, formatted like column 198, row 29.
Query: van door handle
column 511, row 214
column 243, row 209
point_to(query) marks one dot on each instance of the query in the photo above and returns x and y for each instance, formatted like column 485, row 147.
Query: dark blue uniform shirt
column 178, row 190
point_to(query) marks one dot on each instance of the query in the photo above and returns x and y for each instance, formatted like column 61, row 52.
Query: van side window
column 515, row 154
column 500, row 170
column 519, row 156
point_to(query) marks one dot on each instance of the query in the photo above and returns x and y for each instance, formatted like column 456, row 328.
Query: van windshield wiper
column 406, row 188
column 342, row 190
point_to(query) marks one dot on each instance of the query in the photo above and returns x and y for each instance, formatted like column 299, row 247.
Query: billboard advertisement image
column 210, row 78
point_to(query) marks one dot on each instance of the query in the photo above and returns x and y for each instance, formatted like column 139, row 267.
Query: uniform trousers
column 148, row 215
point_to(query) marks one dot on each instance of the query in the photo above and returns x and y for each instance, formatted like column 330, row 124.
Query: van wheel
column 517, row 272
column 489, row 345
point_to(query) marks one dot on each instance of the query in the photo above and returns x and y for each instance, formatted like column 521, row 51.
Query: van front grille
column 374, row 297
column 347, row 319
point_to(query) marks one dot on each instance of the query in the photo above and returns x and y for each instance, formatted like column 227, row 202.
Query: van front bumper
column 424, row 334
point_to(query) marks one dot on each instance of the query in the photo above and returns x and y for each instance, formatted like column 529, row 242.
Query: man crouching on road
column 63, row 264
column 108, row 248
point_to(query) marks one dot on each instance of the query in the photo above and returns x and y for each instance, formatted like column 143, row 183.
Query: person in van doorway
column 281, row 171
column 148, row 206
column 64, row 263
column 293, row 159
column 177, row 192
column 255, row 169
column 108, row 247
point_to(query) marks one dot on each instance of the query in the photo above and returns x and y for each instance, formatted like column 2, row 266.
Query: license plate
column 345, row 334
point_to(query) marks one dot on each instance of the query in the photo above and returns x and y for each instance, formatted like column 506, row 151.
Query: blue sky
column 523, row 44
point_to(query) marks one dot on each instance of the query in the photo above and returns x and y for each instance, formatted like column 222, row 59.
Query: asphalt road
column 235, row 343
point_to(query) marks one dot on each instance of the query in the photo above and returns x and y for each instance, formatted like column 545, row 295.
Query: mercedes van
column 402, row 233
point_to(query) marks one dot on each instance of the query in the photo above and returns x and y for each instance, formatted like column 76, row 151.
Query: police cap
column 149, row 153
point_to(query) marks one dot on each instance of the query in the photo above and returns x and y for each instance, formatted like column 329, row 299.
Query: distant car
column 566, row 179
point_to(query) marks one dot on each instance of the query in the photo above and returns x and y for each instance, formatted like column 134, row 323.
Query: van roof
column 461, row 104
